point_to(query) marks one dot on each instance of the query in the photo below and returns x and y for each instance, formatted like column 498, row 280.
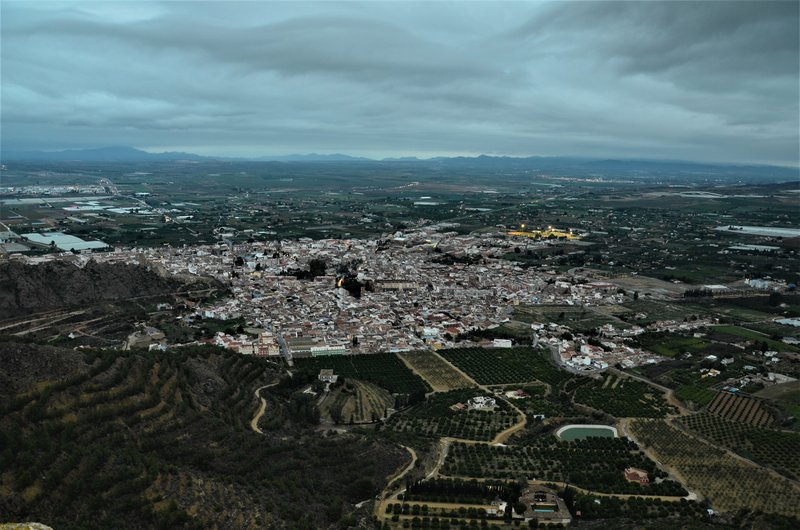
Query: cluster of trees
column 697, row 293
column 316, row 267
column 462, row 491
column 451, row 259
column 635, row 508
column 500, row 332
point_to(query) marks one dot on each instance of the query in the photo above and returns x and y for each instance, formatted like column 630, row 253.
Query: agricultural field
column 787, row 398
column 772, row 329
column 538, row 402
column 356, row 402
column 440, row 515
column 770, row 447
column 383, row 369
column 656, row 310
column 517, row 332
column 672, row 344
column 731, row 484
column 499, row 366
column 696, row 394
column 595, row 464
column 737, row 334
column 579, row 319
column 749, row 308
column 623, row 398
column 434, row 418
column 740, row 408
column 439, row 375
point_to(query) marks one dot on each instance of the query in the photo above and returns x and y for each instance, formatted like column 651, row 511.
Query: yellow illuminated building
column 544, row 234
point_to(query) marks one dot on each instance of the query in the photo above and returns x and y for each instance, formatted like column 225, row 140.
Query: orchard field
column 383, row 369
column 730, row 483
column 770, row 447
column 500, row 366
column 440, row 375
column 596, row 464
column 434, row 417
column 623, row 398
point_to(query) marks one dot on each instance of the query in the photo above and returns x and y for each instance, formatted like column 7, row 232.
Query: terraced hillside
column 356, row 402
column 160, row 440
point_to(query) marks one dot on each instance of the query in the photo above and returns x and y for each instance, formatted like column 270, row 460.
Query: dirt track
column 261, row 409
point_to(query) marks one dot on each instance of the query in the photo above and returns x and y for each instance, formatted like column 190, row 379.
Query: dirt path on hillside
column 503, row 436
column 261, row 409
column 384, row 497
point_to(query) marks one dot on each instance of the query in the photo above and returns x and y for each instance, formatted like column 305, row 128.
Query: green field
column 499, row 366
column 672, row 345
column 623, row 398
column 695, row 394
column 577, row 318
column 737, row 331
column 655, row 310
column 383, row 369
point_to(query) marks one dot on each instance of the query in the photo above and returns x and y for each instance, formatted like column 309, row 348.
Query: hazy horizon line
column 390, row 157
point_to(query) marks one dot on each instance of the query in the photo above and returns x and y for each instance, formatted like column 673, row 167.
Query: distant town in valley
column 507, row 345
column 399, row 265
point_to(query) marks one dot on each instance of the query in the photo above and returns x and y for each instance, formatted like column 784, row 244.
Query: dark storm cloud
column 705, row 80
column 724, row 46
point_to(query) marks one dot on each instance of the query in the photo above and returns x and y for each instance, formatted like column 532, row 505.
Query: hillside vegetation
column 162, row 440
column 60, row 284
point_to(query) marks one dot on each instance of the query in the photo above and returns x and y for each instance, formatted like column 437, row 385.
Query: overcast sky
column 709, row 81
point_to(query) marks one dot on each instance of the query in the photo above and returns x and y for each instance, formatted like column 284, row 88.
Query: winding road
column 261, row 409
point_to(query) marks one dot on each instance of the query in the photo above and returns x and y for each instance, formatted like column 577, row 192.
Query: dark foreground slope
column 135, row 440
column 60, row 284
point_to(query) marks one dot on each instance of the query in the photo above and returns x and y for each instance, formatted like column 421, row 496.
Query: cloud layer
column 701, row 81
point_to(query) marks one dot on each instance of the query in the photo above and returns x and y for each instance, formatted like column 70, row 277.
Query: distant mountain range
column 131, row 154
column 581, row 166
column 101, row 154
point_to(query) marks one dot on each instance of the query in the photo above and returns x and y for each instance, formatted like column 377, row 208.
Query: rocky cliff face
column 54, row 285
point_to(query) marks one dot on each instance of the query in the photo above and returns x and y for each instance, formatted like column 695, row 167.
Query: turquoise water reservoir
column 581, row 432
